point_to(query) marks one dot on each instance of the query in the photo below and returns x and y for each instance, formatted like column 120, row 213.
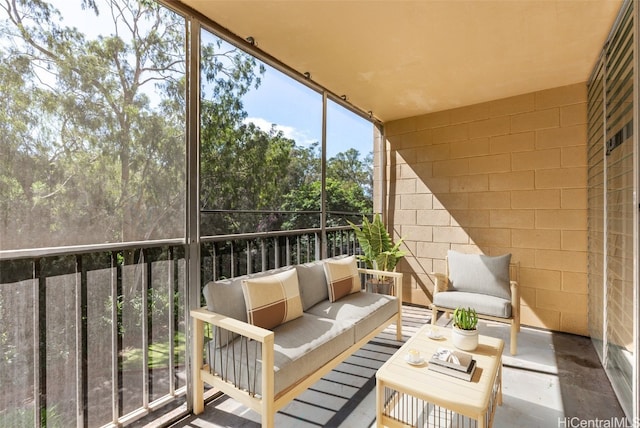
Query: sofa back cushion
column 313, row 284
column 342, row 277
column 477, row 273
column 225, row 297
column 272, row 300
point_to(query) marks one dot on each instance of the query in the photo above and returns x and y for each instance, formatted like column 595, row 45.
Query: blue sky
column 297, row 111
column 293, row 107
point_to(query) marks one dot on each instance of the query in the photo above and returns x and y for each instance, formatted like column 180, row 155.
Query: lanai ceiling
column 405, row 58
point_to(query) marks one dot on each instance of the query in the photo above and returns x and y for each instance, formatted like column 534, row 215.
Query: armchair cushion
column 482, row 303
column 477, row 273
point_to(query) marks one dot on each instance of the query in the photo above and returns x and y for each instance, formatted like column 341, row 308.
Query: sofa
column 488, row 284
column 263, row 339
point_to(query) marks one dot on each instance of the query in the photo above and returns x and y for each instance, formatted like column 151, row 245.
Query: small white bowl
column 413, row 363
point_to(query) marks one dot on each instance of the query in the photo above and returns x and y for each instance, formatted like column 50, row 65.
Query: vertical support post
column 288, row 251
column 197, row 392
column 42, row 348
column 605, row 237
column 380, row 400
column 323, row 181
column 249, row 261
column 192, row 256
column 233, row 260
column 397, row 282
column 39, row 344
column 82, row 378
column 635, row 383
column 171, row 289
column 380, row 138
column 144, row 264
column 116, row 337
column 215, row 266
column 268, row 383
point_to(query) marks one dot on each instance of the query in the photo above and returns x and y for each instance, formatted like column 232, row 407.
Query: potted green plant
column 465, row 332
column 378, row 251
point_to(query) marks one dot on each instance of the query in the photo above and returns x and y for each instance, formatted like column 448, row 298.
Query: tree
column 243, row 172
column 348, row 167
column 95, row 138
column 241, row 166
column 104, row 152
column 348, row 188
column 93, row 149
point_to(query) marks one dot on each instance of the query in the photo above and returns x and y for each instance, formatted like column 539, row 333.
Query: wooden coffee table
column 412, row 395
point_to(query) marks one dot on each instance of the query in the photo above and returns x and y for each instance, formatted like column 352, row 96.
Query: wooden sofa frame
column 268, row 403
column 442, row 285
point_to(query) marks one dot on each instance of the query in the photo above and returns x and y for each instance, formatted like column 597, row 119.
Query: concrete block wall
column 506, row 176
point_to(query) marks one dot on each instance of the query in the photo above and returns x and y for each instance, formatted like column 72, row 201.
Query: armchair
column 487, row 284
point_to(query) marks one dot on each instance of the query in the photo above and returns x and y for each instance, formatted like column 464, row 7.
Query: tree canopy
column 93, row 132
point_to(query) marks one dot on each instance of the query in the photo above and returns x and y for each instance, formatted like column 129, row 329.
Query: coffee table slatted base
column 402, row 410
column 402, row 406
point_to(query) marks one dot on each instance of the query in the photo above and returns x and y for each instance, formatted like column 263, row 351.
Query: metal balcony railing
column 97, row 335
column 91, row 337
column 228, row 256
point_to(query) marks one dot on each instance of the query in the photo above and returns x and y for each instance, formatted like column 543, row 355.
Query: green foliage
column 96, row 125
column 157, row 307
column 465, row 318
column 158, row 354
column 23, row 417
column 93, row 151
column 379, row 251
column 342, row 197
column 94, row 138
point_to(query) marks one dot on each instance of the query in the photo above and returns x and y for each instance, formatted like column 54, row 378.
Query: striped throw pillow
column 272, row 300
column 342, row 277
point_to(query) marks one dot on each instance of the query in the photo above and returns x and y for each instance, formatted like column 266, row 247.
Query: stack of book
column 453, row 363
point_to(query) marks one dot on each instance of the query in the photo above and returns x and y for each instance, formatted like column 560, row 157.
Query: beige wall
column 506, row 176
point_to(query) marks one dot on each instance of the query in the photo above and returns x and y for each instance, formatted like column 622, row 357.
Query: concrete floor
column 555, row 380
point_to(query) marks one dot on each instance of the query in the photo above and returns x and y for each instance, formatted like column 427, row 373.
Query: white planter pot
column 465, row 340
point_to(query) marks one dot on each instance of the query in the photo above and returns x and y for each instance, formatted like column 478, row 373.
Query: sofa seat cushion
column 366, row 311
column 477, row 273
column 482, row 303
column 301, row 347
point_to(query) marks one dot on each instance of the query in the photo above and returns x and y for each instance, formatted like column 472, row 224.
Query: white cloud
column 300, row 137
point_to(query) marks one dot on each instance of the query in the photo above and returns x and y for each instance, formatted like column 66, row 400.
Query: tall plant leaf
column 378, row 251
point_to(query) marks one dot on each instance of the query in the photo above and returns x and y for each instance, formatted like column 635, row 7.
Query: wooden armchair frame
column 442, row 285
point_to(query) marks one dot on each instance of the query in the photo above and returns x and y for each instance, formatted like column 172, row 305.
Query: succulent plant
column 465, row 318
